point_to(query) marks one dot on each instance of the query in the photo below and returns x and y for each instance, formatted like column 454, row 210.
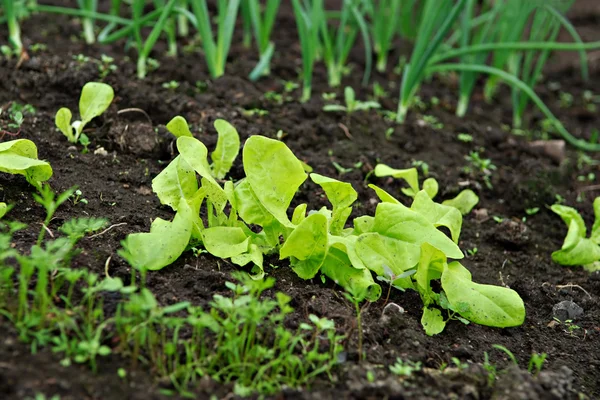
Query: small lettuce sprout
column 352, row 104
column 21, row 157
column 95, row 99
column 578, row 249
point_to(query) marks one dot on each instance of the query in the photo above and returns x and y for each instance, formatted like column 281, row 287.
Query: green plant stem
column 131, row 27
column 14, row 29
column 88, row 22
column 81, row 14
column 513, row 46
column 516, row 82
column 152, row 38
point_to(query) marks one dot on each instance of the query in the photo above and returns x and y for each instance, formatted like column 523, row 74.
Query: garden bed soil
column 513, row 253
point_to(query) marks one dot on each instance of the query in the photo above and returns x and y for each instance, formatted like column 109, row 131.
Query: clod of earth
column 566, row 310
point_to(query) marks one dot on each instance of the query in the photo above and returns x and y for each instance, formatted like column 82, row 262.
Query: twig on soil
column 106, row 230
column 590, row 188
column 48, row 230
column 106, row 266
column 502, row 279
column 138, row 110
column 3, row 132
column 346, row 131
column 22, row 58
column 570, row 285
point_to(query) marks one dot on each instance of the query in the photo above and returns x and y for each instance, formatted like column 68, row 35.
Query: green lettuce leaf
column 483, row 304
column 178, row 126
column 95, row 99
column 274, row 174
column 225, row 242
column 358, row 282
column 20, row 157
column 432, row 321
column 165, row 242
column 576, row 248
column 410, row 175
column 438, row 214
column 377, row 251
column 176, row 182
column 341, row 195
column 465, row 201
column 228, row 148
column 399, row 222
column 307, row 246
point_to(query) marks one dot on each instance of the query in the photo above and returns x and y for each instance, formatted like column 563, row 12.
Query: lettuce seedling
column 95, row 99
column 578, row 249
column 352, row 104
column 21, row 157
column 399, row 241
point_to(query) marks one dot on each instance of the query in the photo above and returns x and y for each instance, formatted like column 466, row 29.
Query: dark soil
column 512, row 253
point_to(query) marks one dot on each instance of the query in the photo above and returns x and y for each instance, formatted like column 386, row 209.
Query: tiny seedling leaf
column 178, row 126
column 63, row 122
column 464, row 201
column 432, row 321
column 410, row 175
column 95, row 99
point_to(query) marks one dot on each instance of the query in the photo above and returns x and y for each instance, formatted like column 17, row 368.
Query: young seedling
column 480, row 166
column 106, row 66
column 536, row 363
column 95, row 99
column 352, row 104
column 405, row 368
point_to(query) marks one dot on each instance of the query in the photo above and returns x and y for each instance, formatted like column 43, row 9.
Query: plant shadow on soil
column 118, row 187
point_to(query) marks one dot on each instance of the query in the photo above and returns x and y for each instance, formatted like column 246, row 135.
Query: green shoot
column 352, row 104
column 435, row 14
column 384, row 26
column 48, row 199
column 405, row 368
column 337, row 42
column 145, row 47
column 308, row 20
column 14, row 28
column 536, row 363
column 95, row 99
column 216, row 52
column 262, row 23
column 89, row 6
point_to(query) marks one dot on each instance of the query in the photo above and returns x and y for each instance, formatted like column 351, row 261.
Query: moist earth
column 513, row 253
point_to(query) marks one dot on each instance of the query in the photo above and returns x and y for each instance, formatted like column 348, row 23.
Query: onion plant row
column 503, row 41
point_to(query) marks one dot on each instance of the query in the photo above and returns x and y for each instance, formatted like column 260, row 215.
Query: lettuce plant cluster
column 248, row 219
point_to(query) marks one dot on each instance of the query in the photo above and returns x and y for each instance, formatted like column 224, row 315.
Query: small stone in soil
column 566, row 310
